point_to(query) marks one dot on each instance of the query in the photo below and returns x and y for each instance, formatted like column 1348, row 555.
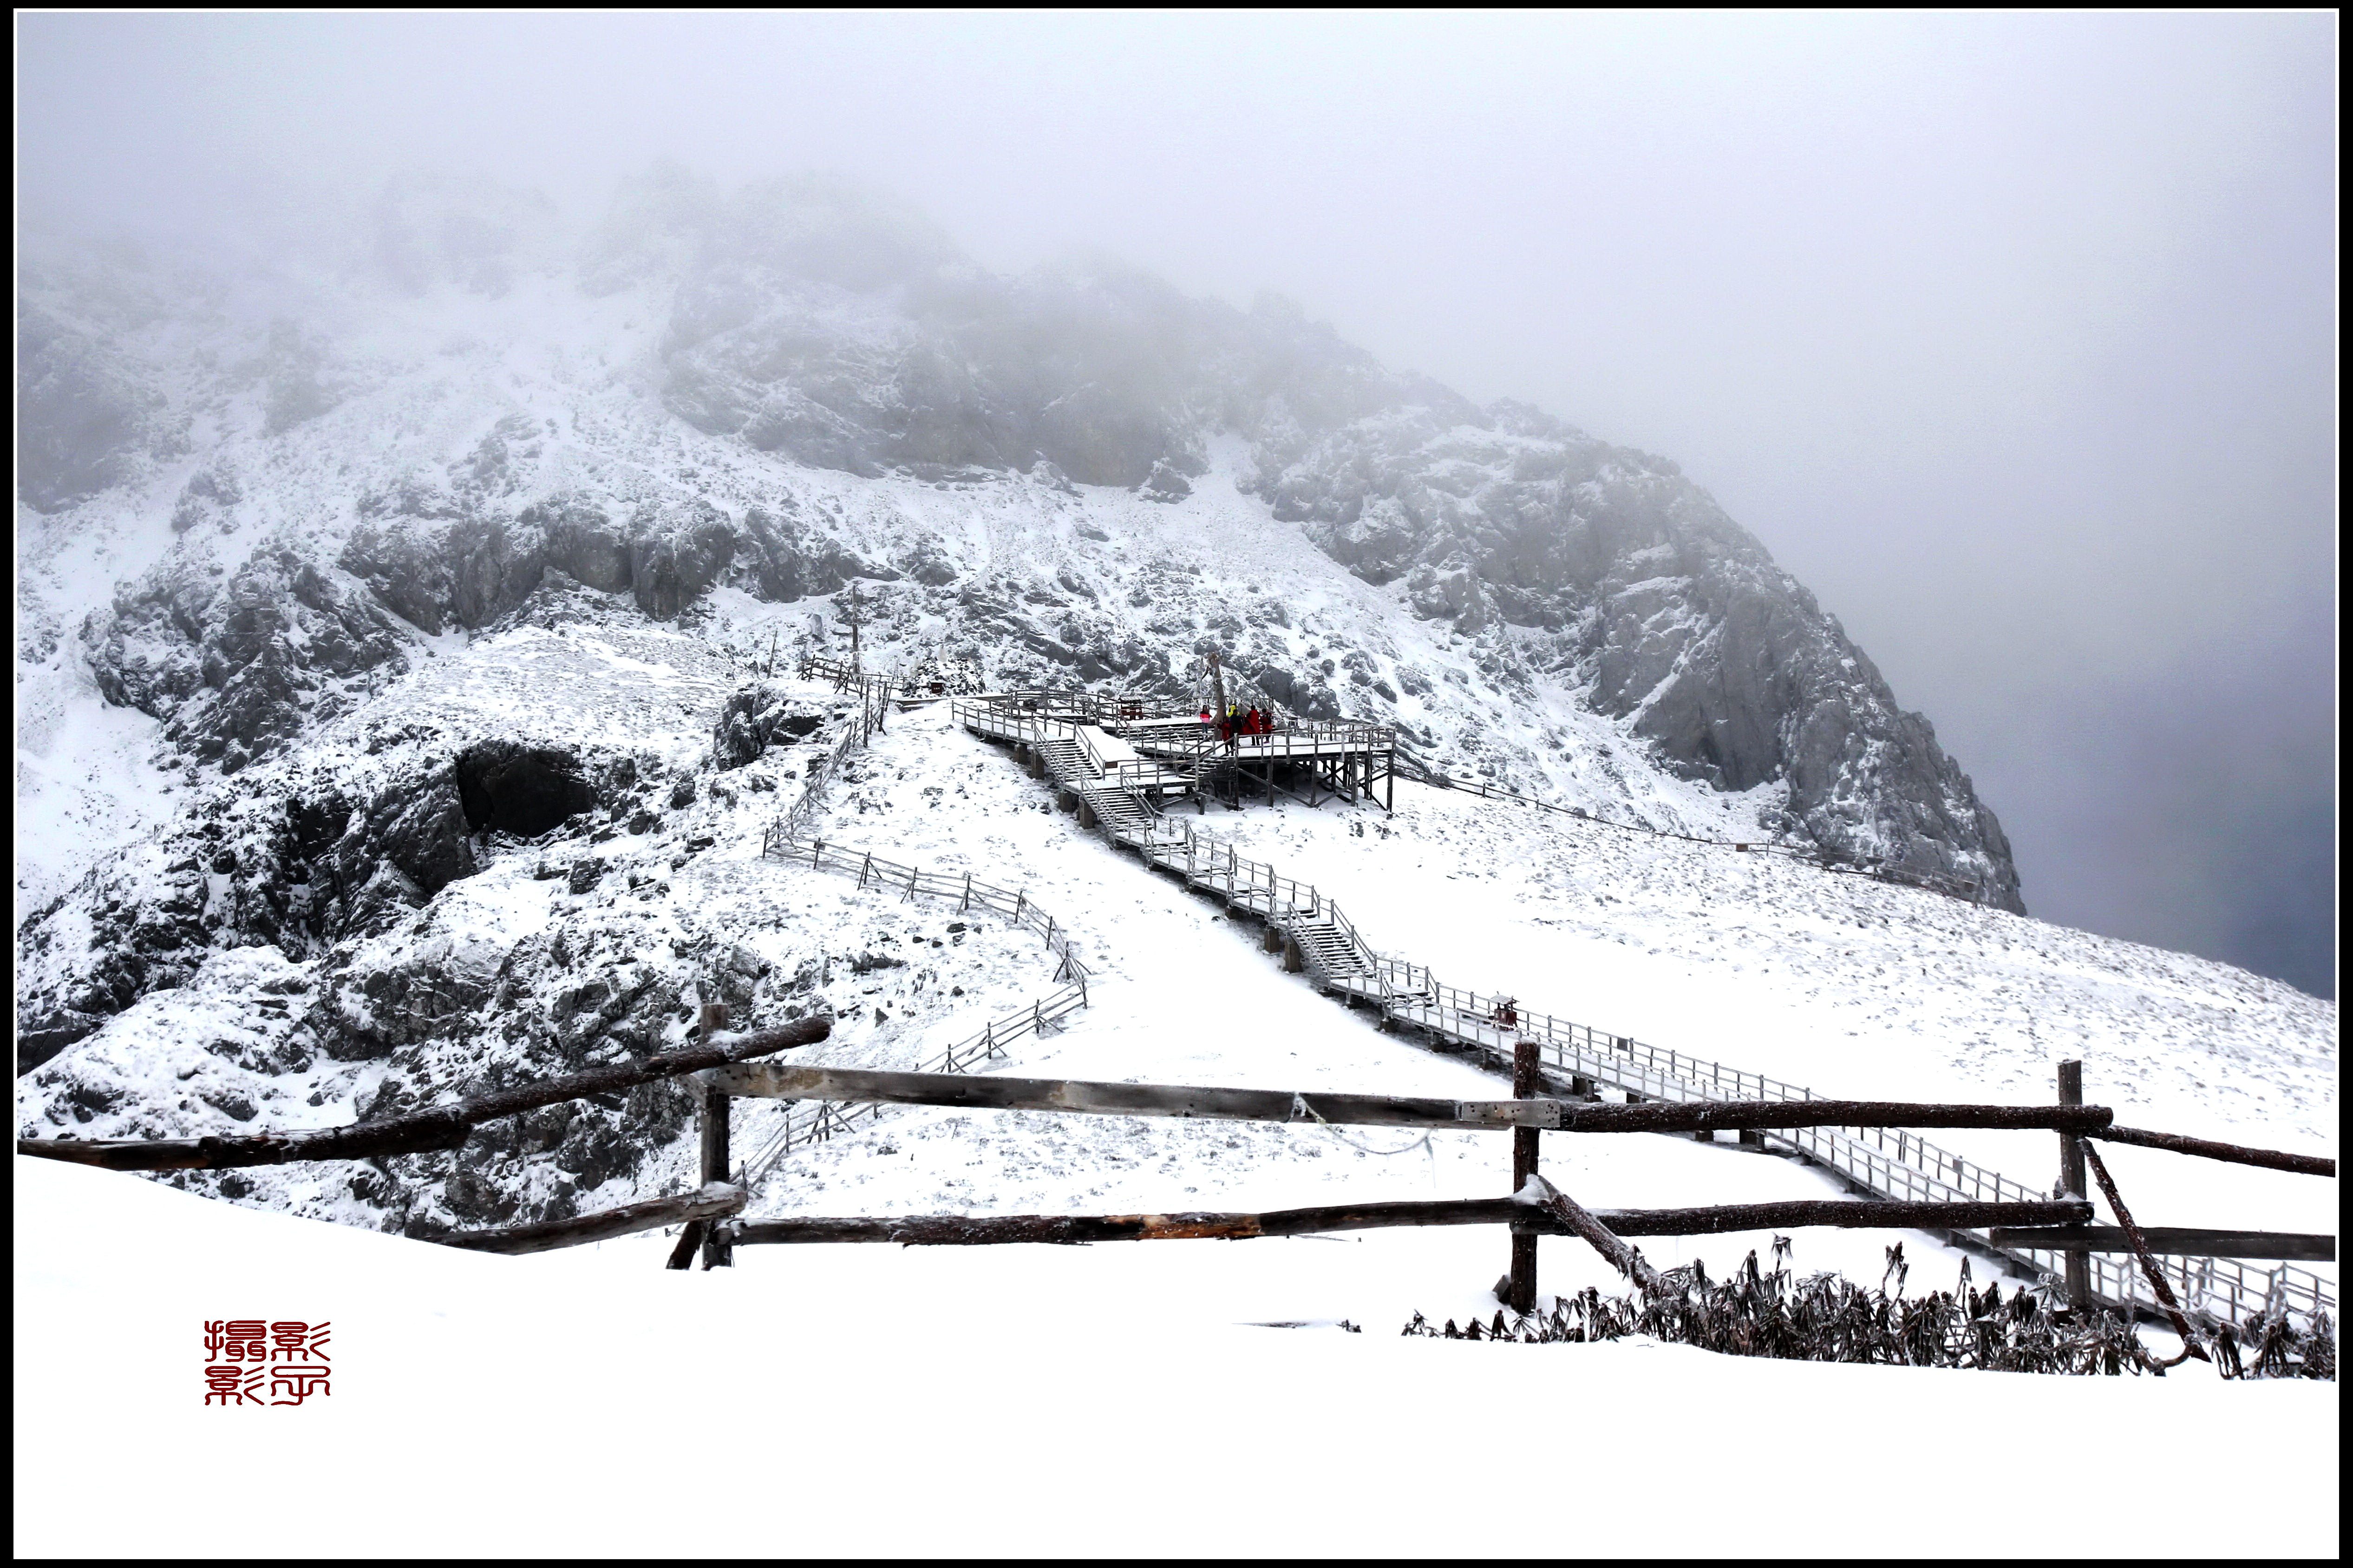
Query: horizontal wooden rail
column 1729, row 1115
column 711, row 1202
column 442, row 1127
column 2180, row 1242
column 776, row 1080
column 963, row 1230
column 2268, row 1159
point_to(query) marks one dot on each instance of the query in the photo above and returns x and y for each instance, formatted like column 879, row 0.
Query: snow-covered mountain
column 793, row 387
column 393, row 608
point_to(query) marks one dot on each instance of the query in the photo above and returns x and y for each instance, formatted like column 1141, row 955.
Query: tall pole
column 1217, row 684
column 2071, row 1181
column 1521, row 1296
column 713, row 1163
column 856, row 667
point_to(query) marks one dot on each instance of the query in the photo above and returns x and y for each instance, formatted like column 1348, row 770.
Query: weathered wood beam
column 1723, row 1115
column 1582, row 1222
column 993, row 1092
column 2176, row 1241
column 711, row 1201
column 2148, row 1268
column 1844, row 1213
column 2270, row 1158
column 778, row 1081
column 965, row 1230
column 442, row 1127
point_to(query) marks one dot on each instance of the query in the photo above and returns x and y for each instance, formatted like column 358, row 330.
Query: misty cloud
column 2012, row 337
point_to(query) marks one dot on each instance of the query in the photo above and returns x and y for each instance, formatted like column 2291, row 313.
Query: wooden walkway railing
column 823, row 1119
column 1891, row 1163
column 787, row 839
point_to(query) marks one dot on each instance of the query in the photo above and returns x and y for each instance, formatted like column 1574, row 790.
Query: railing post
column 715, row 1103
column 967, row 906
column 1520, row 1292
column 2072, row 1181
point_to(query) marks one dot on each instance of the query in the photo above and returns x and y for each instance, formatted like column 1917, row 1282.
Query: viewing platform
column 1152, row 749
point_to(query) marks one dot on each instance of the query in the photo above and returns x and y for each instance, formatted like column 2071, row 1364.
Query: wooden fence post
column 715, row 1105
column 2071, row 1181
column 1521, row 1294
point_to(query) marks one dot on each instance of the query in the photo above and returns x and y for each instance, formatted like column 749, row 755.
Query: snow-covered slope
column 390, row 624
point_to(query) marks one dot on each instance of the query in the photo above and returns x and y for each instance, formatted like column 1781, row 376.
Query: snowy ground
column 1766, row 965
column 930, row 1425
column 1183, row 996
column 872, row 1401
column 1850, row 986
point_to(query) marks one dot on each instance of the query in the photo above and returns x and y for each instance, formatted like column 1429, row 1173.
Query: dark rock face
column 756, row 717
column 308, row 868
column 975, row 373
column 507, row 788
column 234, row 671
column 1658, row 606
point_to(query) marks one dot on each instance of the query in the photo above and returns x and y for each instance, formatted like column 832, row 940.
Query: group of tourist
column 1237, row 723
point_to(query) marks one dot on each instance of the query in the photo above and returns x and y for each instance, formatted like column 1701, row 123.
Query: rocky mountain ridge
column 274, row 507
column 674, row 379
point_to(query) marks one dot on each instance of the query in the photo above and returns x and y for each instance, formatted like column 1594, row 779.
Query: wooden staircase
column 1332, row 955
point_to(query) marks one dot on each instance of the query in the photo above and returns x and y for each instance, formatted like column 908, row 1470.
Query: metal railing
column 1115, row 715
column 826, row 1118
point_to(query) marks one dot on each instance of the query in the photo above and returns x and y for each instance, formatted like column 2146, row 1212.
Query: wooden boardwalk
column 1165, row 753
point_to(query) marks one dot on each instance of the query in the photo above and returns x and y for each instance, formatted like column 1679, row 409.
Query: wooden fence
column 823, row 1122
column 1893, row 1163
column 2060, row 1224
